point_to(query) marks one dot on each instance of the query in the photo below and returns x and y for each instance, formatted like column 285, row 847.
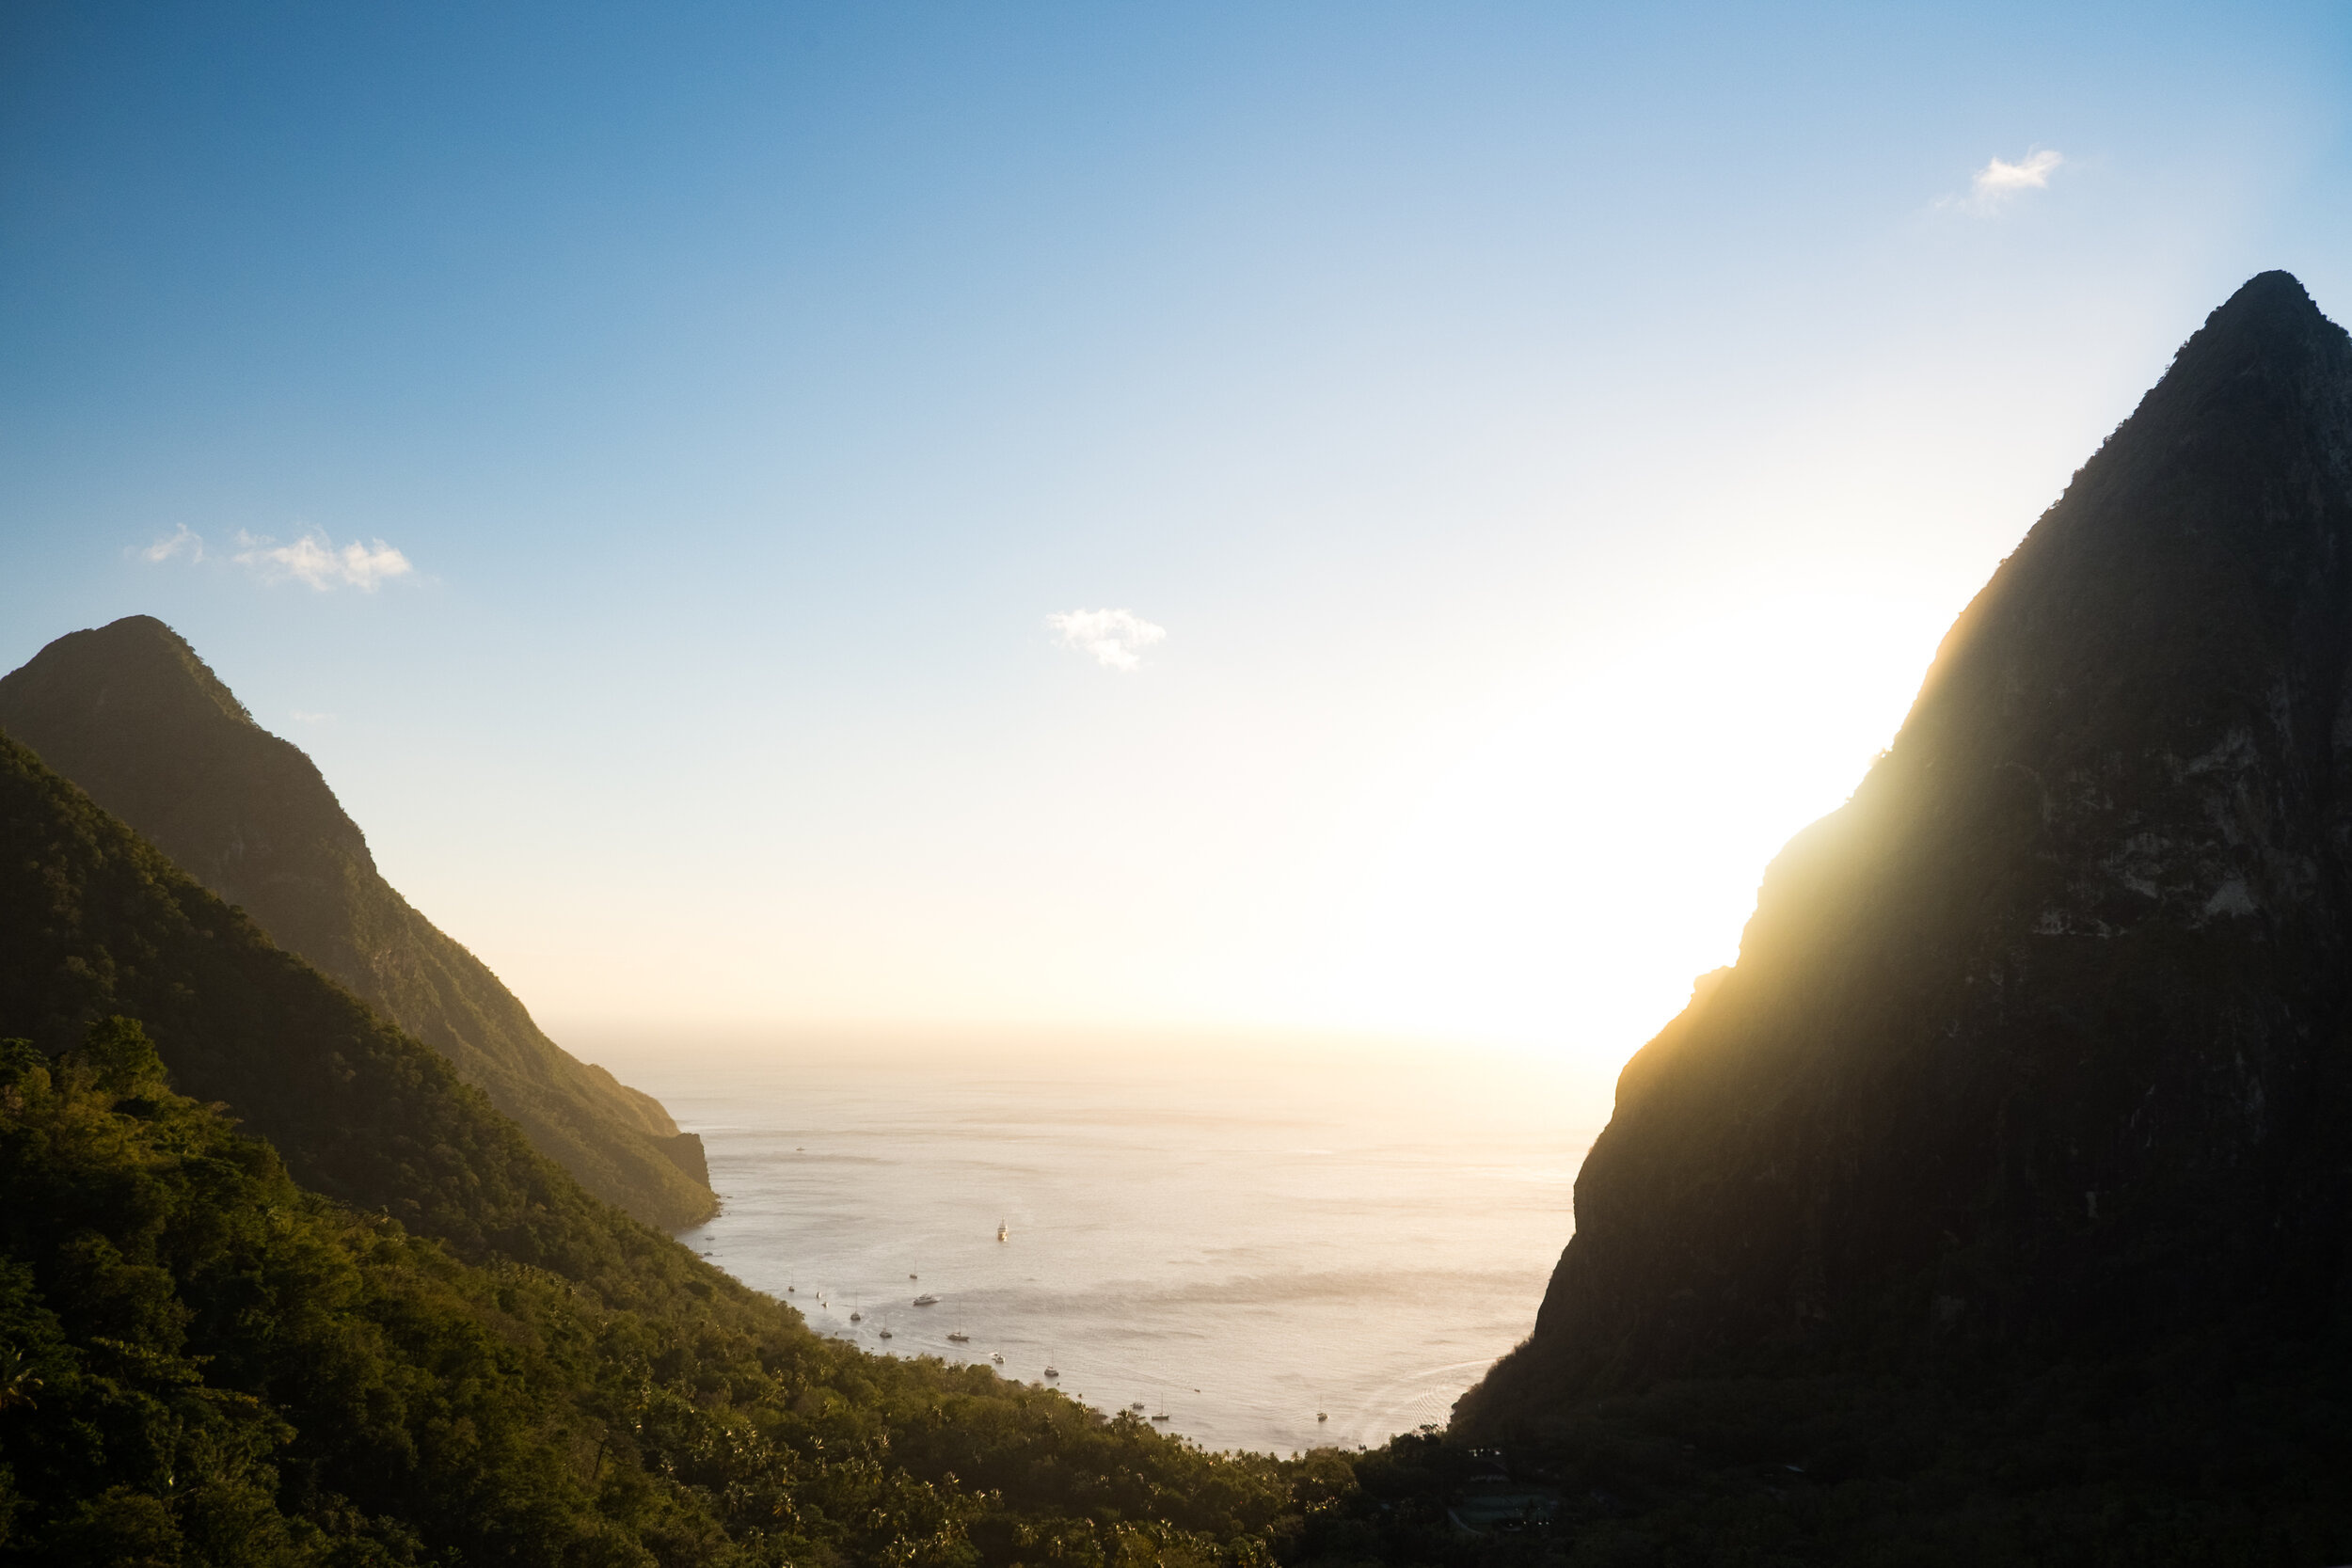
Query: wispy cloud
column 1994, row 187
column 318, row 560
column 180, row 542
column 1112, row 637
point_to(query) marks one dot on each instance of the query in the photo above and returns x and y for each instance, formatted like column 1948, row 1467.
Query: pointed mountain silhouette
column 132, row 715
column 2036, row 1049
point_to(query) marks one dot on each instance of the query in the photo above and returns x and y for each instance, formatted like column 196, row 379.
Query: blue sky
column 1550, row 438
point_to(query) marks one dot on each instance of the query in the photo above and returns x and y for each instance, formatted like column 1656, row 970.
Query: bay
column 1274, row 1253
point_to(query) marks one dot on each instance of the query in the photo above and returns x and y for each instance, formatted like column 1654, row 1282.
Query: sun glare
column 1566, row 877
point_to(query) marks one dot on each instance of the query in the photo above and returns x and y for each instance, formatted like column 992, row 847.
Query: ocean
column 1273, row 1255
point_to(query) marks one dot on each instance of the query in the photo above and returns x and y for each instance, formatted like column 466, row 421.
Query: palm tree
column 17, row 1381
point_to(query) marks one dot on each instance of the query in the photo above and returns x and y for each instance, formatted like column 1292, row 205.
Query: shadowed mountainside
column 2037, row 1050
column 130, row 713
column 94, row 922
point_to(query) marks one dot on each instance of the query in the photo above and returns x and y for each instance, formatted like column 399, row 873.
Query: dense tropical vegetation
column 204, row 1363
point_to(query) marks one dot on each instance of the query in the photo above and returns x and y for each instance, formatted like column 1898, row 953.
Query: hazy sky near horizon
column 1342, row 518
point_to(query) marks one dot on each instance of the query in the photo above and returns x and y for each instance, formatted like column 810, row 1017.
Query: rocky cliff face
column 2040, row 1044
column 133, row 716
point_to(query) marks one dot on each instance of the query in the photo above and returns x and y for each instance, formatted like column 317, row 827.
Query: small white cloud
column 1998, row 179
column 1992, row 187
column 182, row 541
column 315, row 560
column 1112, row 638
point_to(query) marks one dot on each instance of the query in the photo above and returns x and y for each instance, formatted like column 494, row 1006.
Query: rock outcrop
column 2038, row 1048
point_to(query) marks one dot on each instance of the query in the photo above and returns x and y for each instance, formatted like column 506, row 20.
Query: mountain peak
column 2276, row 294
column 136, row 668
column 2271, row 323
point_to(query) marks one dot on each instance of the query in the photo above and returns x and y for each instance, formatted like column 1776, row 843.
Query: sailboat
column 926, row 1299
column 1003, row 1234
column 958, row 1336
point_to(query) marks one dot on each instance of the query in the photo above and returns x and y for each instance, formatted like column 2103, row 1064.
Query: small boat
column 915, row 1277
column 1321, row 1416
column 996, row 1357
column 1138, row 1406
column 857, row 1317
column 1161, row 1417
column 1001, row 1234
column 958, row 1336
column 1053, row 1371
column 926, row 1299
column 885, row 1333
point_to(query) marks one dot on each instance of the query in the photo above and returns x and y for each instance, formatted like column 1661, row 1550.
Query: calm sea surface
column 1237, row 1249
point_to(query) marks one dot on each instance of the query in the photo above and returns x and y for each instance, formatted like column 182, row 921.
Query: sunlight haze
column 1332, row 521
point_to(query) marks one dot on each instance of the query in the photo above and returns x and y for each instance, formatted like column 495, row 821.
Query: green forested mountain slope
column 131, row 714
column 414, row 1338
column 94, row 922
column 200, row 1363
